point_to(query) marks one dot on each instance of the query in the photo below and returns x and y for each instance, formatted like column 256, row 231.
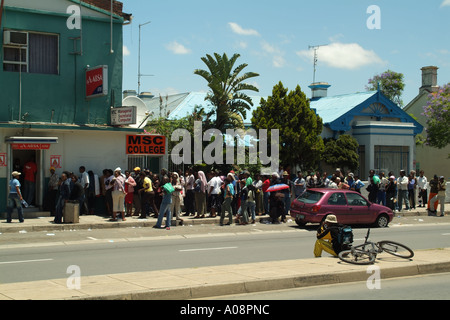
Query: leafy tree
column 300, row 127
column 342, row 152
column 437, row 112
column 391, row 85
column 226, row 85
column 165, row 127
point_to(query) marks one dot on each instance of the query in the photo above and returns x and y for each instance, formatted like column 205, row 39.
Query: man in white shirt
column 84, row 180
column 189, row 200
column 214, row 191
column 402, row 185
column 422, row 183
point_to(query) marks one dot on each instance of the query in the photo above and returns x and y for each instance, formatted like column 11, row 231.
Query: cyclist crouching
column 327, row 236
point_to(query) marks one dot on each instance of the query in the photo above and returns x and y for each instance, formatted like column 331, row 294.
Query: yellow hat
column 137, row 169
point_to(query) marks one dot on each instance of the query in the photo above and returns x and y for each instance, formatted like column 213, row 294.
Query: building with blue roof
column 385, row 132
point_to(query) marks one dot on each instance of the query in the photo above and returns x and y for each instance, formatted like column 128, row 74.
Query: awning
column 31, row 143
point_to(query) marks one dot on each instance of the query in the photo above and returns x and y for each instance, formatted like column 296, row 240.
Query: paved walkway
column 43, row 222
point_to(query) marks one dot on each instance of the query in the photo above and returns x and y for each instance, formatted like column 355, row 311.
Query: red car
column 349, row 207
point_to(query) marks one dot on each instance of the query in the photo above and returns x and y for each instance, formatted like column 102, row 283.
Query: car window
column 337, row 199
column 355, row 199
column 310, row 196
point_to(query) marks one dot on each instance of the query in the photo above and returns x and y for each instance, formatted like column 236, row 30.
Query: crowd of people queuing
column 238, row 195
column 408, row 190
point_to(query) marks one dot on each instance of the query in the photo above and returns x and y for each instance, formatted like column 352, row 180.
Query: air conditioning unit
column 15, row 38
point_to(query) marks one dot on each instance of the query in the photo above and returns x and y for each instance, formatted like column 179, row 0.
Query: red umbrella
column 277, row 187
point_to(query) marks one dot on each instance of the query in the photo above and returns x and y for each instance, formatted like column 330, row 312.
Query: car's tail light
column 315, row 208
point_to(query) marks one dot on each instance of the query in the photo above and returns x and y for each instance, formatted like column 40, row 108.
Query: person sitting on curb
column 327, row 237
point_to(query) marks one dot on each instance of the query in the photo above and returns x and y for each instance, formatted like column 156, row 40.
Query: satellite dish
column 141, row 109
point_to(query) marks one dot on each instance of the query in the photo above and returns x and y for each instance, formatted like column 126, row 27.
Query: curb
column 281, row 283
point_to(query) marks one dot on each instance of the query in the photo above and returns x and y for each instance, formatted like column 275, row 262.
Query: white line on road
column 208, row 249
column 92, row 238
column 25, row 261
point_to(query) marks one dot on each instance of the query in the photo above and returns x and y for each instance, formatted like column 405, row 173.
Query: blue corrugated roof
column 194, row 99
column 331, row 108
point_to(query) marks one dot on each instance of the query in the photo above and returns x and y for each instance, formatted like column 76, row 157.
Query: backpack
column 345, row 237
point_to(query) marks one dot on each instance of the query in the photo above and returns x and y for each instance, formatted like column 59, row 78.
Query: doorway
column 28, row 163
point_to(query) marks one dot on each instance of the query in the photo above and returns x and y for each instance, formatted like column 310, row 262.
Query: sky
column 356, row 39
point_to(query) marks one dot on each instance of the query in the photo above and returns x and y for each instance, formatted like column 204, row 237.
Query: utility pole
column 139, row 59
column 316, row 48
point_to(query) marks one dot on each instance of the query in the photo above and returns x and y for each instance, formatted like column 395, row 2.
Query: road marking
column 208, row 249
column 446, row 234
column 91, row 238
column 26, row 261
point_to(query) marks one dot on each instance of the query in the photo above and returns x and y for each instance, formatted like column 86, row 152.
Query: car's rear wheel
column 300, row 223
column 382, row 221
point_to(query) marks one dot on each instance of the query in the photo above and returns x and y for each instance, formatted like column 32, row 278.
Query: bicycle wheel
column 396, row 249
column 355, row 256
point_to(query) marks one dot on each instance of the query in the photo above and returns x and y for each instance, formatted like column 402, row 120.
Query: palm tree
column 226, row 87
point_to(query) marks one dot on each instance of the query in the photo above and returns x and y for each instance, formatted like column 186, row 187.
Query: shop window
column 30, row 52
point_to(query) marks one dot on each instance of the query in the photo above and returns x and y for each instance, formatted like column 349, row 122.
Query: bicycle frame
column 373, row 248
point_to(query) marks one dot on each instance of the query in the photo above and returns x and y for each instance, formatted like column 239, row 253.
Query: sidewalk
column 208, row 282
column 43, row 222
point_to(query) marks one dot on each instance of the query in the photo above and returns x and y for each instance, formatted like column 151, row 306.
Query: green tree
column 342, row 152
column 300, row 127
column 391, row 85
column 165, row 127
column 226, row 84
column 437, row 112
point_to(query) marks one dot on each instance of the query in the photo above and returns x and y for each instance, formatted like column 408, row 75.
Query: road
column 99, row 252
column 425, row 287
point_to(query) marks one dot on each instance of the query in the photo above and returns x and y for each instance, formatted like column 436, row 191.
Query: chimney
column 319, row 90
column 429, row 79
column 128, row 93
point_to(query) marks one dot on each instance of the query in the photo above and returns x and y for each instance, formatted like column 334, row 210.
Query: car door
column 337, row 205
column 359, row 207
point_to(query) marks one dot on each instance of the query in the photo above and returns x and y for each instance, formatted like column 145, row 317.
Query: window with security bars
column 391, row 158
column 151, row 163
column 30, row 52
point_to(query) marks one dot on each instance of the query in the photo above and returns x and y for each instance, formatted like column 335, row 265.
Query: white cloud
column 241, row 31
column 126, row 51
column 242, row 44
column 445, row 3
column 277, row 55
column 343, row 56
column 177, row 48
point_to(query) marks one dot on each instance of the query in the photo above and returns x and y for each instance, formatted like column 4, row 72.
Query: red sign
column 55, row 161
column 97, row 82
column 146, row 144
column 30, row 146
column 3, row 160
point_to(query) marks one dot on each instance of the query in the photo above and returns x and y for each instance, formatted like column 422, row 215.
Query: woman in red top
column 265, row 186
column 130, row 183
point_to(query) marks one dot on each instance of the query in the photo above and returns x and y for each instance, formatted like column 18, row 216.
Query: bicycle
column 367, row 252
